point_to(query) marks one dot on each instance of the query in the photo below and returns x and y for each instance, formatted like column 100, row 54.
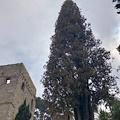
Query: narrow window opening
column 23, row 86
column 8, row 80
column 32, row 104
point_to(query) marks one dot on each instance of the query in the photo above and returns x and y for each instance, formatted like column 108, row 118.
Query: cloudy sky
column 27, row 25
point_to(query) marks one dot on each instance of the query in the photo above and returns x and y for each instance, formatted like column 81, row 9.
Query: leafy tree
column 40, row 104
column 77, row 76
column 114, row 113
column 115, row 110
column 23, row 113
column 41, row 111
column 104, row 115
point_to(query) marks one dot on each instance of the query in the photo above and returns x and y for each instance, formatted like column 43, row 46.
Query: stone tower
column 15, row 86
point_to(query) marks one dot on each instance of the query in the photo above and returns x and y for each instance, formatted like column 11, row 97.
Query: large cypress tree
column 77, row 76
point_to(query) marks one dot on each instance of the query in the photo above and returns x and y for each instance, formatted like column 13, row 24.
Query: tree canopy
column 41, row 112
column 117, row 6
column 77, row 76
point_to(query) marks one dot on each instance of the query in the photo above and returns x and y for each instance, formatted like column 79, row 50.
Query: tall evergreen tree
column 24, row 112
column 77, row 76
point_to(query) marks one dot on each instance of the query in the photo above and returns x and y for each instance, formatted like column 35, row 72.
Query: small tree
column 23, row 113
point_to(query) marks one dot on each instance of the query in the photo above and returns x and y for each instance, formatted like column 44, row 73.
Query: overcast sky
column 27, row 25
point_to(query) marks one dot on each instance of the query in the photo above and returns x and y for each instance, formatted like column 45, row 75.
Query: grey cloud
column 26, row 27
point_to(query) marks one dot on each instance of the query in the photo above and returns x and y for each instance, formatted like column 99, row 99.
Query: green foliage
column 115, row 111
column 41, row 105
column 42, row 109
column 103, row 115
column 77, row 74
column 23, row 113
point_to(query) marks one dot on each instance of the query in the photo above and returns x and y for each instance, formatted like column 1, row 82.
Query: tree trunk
column 84, row 111
column 68, row 117
column 77, row 114
column 90, row 108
